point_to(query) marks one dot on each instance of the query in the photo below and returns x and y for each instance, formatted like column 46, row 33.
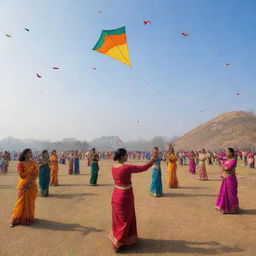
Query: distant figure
column 227, row 200
column 250, row 159
column 202, row 174
column 44, row 174
column 94, row 159
column 76, row 163
column 54, row 169
column 156, row 189
column 192, row 163
column 5, row 162
column 71, row 164
column 124, row 227
column 23, row 212
column 172, row 168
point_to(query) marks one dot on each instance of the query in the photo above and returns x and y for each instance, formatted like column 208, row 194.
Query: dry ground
column 76, row 218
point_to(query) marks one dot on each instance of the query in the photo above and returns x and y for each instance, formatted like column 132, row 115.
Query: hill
column 232, row 129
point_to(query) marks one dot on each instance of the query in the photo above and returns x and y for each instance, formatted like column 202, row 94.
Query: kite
column 99, row 12
column 55, row 68
column 8, row 35
column 26, row 29
column 185, row 34
column 93, row 68
column 146, row 22
column 227, row 64
column 113, row 43
column 38, row 75
column 237, row 93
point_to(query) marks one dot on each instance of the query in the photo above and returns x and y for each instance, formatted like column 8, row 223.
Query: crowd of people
column 124, row 230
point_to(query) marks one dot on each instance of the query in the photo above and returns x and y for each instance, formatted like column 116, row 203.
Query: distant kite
column 26, row 29
column 55, row 68
column 146, row 22
column 237, row 93
column 8, row 35
column 227, row 64
column 93, row 68
column 99, row 12
column 38, row 75
column 185, row 34
column 113, row 43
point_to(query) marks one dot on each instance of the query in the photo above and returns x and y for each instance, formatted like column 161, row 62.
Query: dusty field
column 76, row 218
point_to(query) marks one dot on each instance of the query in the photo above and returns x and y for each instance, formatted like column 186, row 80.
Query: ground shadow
column 73, row 185
column 54, row 225
column 193, row 187
column 247, row 211
column 179, row 246
column 68, row 196
column 186, row 195
column 7, row 186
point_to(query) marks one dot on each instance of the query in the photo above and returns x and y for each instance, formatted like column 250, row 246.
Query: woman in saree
column 172, row 169
column 44, row 174
column 156, row 189
column 227, row 200
column 76, row 163
column 124, row 227
column 54, row 169
column 71, row 164
column 192, row 163
column 250, row 159
column 202, row 174
column 5, row 162
column 94, row 159
column 23, row 212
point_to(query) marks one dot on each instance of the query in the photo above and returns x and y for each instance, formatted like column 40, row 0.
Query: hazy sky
column 79, row 102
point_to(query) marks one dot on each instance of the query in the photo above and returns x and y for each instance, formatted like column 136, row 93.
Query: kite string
column 145, row 81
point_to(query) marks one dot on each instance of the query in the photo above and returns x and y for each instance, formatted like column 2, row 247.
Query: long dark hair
column 232, row 151
column 23, row 154
column 119, row 153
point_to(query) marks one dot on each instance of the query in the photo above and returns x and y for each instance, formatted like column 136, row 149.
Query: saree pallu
column 44, row 179
column 71, row 166
column 227, row 200
column 24, row 209
column 156, row 185
column 76, row 166
column 54, row 174
column 172, row 176
column 192, row 166
column 124, row 227
column 202, row 174
column 94, row 173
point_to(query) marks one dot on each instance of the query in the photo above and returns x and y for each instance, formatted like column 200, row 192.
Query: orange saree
column 54, row 170
column 24, row 209
column 172, row 169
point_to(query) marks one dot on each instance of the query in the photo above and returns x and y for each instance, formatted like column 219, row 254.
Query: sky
column 79, row 102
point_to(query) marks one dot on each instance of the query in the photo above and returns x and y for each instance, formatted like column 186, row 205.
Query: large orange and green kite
column 113, row 43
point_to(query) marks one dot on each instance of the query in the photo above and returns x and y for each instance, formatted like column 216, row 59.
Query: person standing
column 156, row 189
column 227, row 200
column 23, row 212
column 54, row 169
column 76, row 163
column 192, row 163
column 44, row 174
column 71, row 164
column 124, row 227
column 94, row 159
column 202, row 174
column 172, row 168
column 5, row 162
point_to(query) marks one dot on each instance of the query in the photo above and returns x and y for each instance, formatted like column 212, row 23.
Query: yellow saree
column 24, row 209
column 172, row 169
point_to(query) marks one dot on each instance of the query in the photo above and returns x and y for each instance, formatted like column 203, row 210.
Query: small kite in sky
column 26, row 29
column 185, row 34
column 8, row 35
column 113, row 43
column 100, row 12
column 227, row 64
column 146, row 22
column 237, row 93
column 93, row 68
column 55, row 68
column 38, row 75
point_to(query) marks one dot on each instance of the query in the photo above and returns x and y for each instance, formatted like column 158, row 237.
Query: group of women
column 124, row 228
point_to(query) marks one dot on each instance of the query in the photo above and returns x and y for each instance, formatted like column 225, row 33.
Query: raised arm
column 229, row 165
column 140, row 168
